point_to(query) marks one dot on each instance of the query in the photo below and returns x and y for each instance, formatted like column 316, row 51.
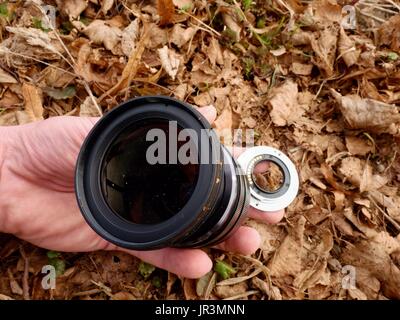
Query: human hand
column 38, row 203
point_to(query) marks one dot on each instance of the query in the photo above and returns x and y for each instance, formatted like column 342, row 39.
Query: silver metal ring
column 274, row 200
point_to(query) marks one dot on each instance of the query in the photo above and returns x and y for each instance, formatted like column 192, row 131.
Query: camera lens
column 153, row 174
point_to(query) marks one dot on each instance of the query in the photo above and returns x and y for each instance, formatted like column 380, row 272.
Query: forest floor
column 320, row 85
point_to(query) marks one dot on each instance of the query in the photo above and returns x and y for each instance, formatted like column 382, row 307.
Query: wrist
column 8, row 136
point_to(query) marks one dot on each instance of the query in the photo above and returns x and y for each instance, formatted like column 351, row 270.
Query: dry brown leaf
column 106, row 5
column 327, row 11
column 165, row 11
column 369, row 114
column 310, row 277
column 357, row 294
column 88, row 109
column 100, row 32
column 204, row 283
column 389, row 33
column 169, row 60
column 374, row 256
column 38, row 38
column 223, row 124
column 347, row 49
column 5, row 77
column 324, row 45
column 180, row 36
column 189, row 289
column 358, row 146
column 33, row 102
column 285, row 108
column 359, row 173
column 214, row 52
column 129, row 37
column 301, row 69
column 271, row 291
column 73, row 8
column 287, row 259
column 230, row 291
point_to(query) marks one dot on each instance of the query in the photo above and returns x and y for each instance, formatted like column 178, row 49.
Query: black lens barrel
column 218, row 198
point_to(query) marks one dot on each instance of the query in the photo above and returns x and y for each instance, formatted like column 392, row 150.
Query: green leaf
column 393, row 56
column 156, row 281
column 86, row 21
column 66, row 27
column 59, row 265
column 61, row 94
column 56, row 262
column 146, row 269
column 224, row 269
column 38, row 24
column 4, row 9
column 53, row 254
column 247, row 4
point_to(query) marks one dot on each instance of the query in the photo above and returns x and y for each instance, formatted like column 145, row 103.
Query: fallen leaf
column 169, row 60
column 374, row 256
column 73, row 8
column 230, row 291
column 389, row 33
column 287, row 259
column 6, row 77
column 129, row 37
column 100, row 32
column 358, row 146
column 359, row 173
column 180, row 36
column 106, row 5
column 61, row 94
column 33, row 102
column 302, row 69
column 88, row 109
column 270, row 290
column 39, row 38
column 347, row 49
column 324, row 45
column 369, row 114
column 285, row 108
column 189, row 289
column 165, row 11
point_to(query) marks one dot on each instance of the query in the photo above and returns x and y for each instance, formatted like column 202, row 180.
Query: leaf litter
column 326, row 95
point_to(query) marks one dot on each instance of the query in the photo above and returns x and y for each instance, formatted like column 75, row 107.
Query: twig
column 6, row 50
column 202, row 23
column 392, row 221
column 25, row 278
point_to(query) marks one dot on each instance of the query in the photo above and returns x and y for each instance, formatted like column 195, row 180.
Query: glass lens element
column 142, row 192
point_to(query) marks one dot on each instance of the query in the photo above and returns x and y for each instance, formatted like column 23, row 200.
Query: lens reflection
column 141, row 192
column 268, row 176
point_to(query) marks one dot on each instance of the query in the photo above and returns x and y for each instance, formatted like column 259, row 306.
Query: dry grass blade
column 236, row 280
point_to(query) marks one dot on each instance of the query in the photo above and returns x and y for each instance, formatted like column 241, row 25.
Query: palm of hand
column 48, row 211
